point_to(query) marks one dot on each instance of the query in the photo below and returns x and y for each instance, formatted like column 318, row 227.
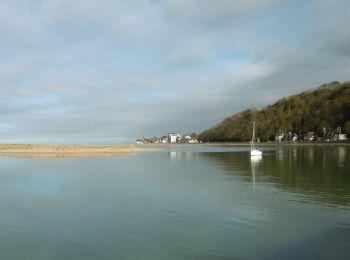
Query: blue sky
column 74, row 71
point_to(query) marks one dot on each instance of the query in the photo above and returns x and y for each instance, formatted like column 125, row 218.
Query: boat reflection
column 254, row 161
column 320, row 172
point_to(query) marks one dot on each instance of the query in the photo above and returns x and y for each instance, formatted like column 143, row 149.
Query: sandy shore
column 57, row 150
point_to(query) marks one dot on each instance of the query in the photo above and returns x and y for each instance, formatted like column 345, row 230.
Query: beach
column 60, row 150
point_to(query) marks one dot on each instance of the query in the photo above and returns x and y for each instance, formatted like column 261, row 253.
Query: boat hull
column 255, row 153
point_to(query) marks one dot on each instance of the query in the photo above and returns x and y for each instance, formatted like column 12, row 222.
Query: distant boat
column 254, row 151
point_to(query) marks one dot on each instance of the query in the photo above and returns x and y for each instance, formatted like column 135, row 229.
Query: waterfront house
column 172, row 138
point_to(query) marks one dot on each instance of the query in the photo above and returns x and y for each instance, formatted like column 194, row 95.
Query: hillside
column 328, row 106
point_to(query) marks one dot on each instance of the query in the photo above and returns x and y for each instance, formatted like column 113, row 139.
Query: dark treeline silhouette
column 326, row 107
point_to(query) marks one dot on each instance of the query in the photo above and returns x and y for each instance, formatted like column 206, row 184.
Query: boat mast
column 253, row 136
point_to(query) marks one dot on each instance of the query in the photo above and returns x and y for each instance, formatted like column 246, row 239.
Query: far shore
column 248, row 144
column 76, row 151
column 70, row 150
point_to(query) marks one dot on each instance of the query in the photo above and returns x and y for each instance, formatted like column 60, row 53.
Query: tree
column 328, row 106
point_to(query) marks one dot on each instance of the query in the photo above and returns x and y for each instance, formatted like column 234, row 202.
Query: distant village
column 171, row 138
column 329, row 135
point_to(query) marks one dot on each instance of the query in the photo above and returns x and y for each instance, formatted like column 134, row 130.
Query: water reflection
column 255, row 160
column 321, row 172
column 173, row 155
column 341, row 155
column 200, row 206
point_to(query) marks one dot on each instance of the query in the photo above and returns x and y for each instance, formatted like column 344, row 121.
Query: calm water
column 178, row 203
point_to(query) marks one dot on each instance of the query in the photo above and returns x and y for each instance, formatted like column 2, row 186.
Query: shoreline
column 262, row 144
column 87, row 150
column 71, row 150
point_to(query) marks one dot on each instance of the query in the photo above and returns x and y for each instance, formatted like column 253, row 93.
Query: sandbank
column 60, row 151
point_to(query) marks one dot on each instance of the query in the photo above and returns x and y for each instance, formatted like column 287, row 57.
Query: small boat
column 254, row 151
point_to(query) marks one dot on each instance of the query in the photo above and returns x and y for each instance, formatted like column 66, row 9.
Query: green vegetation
column 326, row 107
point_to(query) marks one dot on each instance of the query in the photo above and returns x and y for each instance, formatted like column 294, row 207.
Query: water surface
column 197, row 202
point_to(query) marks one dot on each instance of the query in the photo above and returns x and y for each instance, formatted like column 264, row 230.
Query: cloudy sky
column 110, row 71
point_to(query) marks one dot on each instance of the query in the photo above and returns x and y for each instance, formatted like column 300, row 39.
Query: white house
column 342, row 137
column 139, row 141
column 172, row 137
column 278, row 138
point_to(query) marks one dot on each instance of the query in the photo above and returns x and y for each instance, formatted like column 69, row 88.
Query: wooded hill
column 326, row 107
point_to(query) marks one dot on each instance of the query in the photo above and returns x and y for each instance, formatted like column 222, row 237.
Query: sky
column 111, row 71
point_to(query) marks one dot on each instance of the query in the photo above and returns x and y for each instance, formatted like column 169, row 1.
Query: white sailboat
column 254, row 151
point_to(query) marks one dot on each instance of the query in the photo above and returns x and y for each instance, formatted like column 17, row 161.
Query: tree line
column 311, row 111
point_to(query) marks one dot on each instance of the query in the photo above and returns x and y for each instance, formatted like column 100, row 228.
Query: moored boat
column 253, row 150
